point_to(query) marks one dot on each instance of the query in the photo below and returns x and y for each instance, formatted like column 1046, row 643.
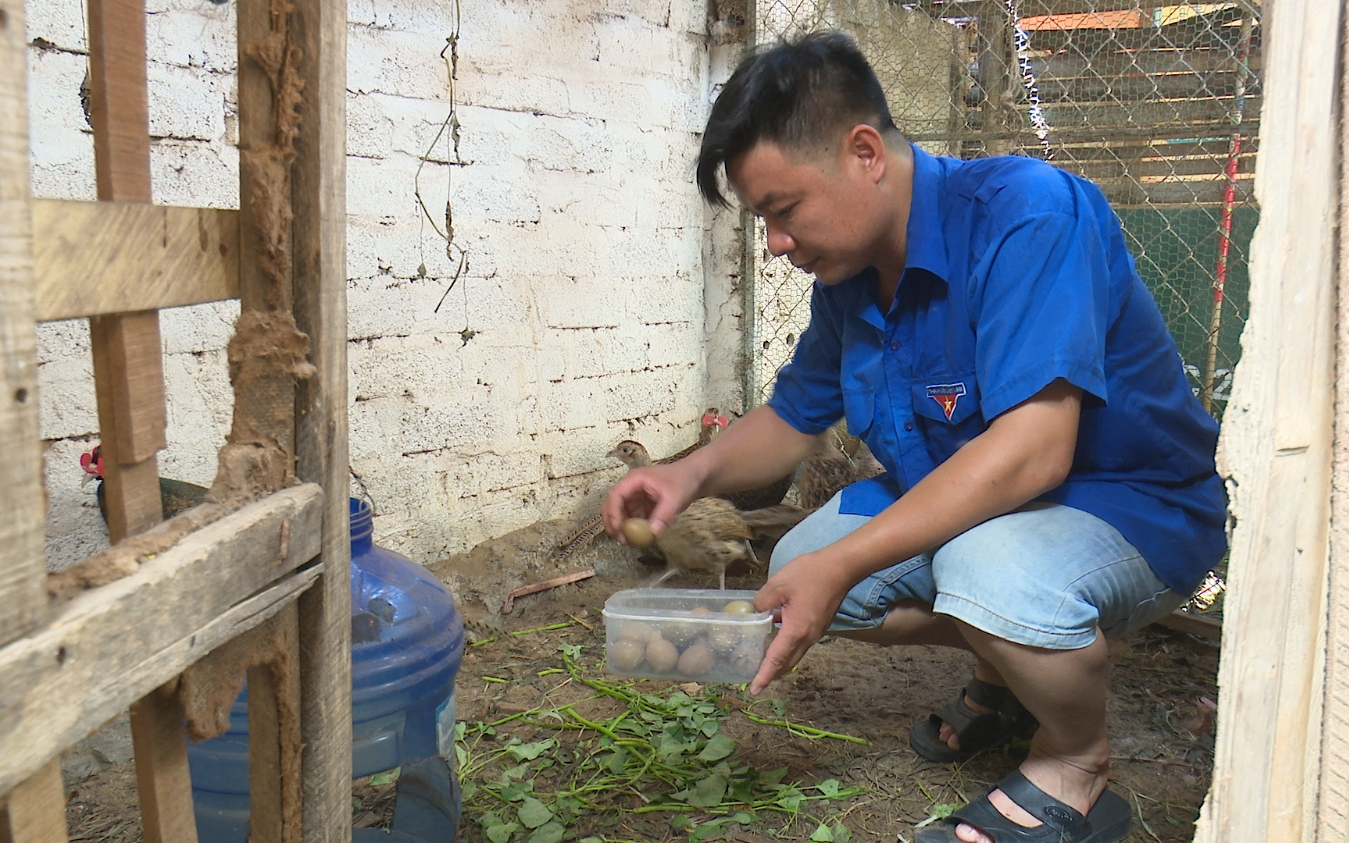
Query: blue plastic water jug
column 406, row 645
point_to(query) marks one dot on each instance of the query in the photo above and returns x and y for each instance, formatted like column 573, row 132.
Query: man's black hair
column 799, row 93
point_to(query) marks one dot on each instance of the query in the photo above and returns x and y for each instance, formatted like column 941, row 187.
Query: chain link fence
column 1158, row 106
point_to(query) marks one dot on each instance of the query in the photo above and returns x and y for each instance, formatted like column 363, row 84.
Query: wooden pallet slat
column 128, row 365
column 98, row 258
column 319, row 191
column 22, row 575
column 110, row 646
column 186, row 594
column 162, row 780
column 36, row 812
column 274, row 739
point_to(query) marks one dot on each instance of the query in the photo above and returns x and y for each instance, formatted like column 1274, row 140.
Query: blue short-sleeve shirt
column 1017, row 275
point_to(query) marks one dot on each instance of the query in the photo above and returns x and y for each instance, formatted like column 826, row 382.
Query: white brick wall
column 593, row 274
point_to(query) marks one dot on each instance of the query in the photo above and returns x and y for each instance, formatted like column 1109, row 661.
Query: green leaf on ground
column 501, row 832
column 718, row 748
column 822, row 835
column 551, row 833
column 386, row 777
column 534, row 813
column 709, row 792
column 530, row 751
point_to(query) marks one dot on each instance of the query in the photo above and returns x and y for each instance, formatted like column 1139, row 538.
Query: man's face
column 816, row 209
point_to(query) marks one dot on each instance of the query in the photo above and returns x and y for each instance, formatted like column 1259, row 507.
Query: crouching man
column 1049, row 474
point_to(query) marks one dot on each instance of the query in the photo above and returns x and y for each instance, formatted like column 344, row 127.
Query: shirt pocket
column 859, row 409
column 946, row 408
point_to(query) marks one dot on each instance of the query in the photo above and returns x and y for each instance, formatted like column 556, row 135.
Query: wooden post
column 128, row 364
column 1333, row 801
column 995, row 79
column 319, row 194
column 274, row 738
column 129, row 380
column 161, row 768
column 1276, row 451
column 23, row 602
column 36, row 812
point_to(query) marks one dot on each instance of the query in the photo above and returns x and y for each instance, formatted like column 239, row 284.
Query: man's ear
column 865, row 148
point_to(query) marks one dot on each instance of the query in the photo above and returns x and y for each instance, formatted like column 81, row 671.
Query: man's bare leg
column 912, row 622
column 1065, row 690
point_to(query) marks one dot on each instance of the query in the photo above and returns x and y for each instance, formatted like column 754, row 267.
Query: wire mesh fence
column 1158, row 106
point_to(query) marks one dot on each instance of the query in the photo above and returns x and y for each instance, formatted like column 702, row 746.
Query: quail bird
column 831, row 466
column 711, row 534
column 627, row 452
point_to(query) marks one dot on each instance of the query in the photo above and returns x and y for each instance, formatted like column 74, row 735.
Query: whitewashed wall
column 589, row 254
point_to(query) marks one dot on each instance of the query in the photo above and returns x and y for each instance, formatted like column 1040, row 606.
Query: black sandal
column 1107, row 821
column 975, row 730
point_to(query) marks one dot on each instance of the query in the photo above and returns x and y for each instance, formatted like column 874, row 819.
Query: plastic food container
column 685, row 634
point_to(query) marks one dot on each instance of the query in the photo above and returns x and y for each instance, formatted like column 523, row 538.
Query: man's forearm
column 1024, row 454
column 755, row 451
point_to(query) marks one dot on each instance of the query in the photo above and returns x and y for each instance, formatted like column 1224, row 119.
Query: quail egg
column 697, row 659
column 661, row 655
column 627, row 654
column 739, row 607
column 638, row 532
column 723, row 637
column 636, row 631
column 746, row 657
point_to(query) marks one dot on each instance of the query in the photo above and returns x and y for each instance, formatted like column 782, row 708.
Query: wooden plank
column 1155, row 61
column 264, row 757
column 119, row 110
column 129, row 355
column 1131, row 150
column 110, row 646
column 1126, row 192
column 256, row 132
column 1276, row 451
column 1130, row 88
column 1068, row 7
column 319, row 193
column 97, row 258
column 1157, row 168
column 274, row 740
column 1332, row 821
column 128, row 367
column 22, row 578
column 162, row 779
column 1193, row 624
column 1194, row 34
column 1212, row 115
column 36, row 811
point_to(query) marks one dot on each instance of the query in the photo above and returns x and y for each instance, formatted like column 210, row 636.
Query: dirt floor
column 838, row 725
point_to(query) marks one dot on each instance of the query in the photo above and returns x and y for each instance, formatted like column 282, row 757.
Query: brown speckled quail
column 830, row 467
column 706, row 537
column 711, row 534
column 632, row 453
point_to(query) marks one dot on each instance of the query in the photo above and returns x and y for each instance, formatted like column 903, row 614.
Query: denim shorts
column 1044, row 576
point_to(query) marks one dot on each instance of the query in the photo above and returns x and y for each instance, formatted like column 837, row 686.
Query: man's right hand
column 658, row 493
column 805, row 596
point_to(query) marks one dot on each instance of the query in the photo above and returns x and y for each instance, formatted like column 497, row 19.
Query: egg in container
column 685, row 634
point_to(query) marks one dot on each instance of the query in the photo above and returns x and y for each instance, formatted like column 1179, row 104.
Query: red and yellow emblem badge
column 947, row 395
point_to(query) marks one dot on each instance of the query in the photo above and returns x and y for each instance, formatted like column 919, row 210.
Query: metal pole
column 1225, row 219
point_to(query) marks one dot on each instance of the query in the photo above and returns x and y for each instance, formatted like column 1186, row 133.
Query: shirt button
column 894, row 346
column 908, row 425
